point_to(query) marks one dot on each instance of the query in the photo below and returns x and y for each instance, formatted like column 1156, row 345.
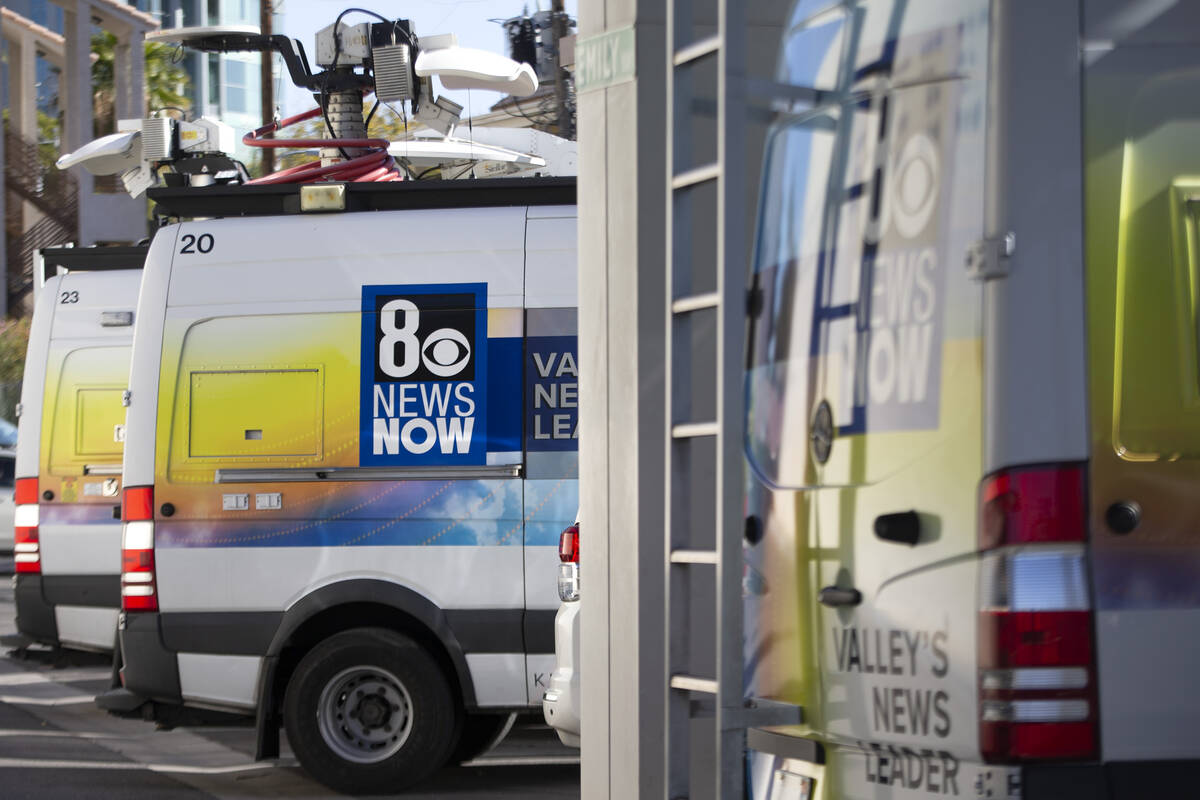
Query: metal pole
column 267, row 79
column 558, row 29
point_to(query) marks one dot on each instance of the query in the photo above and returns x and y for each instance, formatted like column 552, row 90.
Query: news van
column 70, row 442
column 972, row 553
column 351, row 449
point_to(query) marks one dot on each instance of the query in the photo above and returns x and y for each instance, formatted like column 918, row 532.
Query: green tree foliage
column 48, row 139
column 14, row 341
column 165, row 79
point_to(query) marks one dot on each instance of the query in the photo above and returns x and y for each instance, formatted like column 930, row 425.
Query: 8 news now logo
column 424, row 371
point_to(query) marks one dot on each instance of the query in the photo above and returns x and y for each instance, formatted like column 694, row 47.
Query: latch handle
column 988, row 258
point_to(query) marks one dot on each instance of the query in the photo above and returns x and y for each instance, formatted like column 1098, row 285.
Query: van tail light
column 568, row 569
column 1037, row 674
column 27, row 553
column 139, row 591
column 568, row 545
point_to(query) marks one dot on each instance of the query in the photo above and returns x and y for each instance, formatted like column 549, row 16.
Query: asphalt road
column 55, row 743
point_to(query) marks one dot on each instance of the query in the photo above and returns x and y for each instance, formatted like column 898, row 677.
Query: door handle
column 834, row 596
column 903, row 527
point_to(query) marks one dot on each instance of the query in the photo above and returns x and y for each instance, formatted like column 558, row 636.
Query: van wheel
column 369, row 710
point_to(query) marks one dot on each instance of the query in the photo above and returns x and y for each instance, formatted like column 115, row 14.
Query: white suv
column 560, row 703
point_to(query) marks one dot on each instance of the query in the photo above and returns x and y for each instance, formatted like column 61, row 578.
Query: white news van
column 69, row 447
column 351, row 449
column 972, row 403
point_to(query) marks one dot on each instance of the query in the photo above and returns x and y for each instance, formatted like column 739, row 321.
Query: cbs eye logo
column 425, row 338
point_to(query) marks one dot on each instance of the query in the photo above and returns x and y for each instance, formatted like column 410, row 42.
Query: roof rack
column 91, row 259
column 280, row 199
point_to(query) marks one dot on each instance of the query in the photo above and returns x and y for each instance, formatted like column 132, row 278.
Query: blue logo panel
column 424, row 376
column 552, row 394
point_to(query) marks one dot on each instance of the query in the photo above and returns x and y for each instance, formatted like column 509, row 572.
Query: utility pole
column 267, row 81
column 558, row 31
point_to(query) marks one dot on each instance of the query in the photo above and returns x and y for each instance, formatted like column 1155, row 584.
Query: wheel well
column 358, row 615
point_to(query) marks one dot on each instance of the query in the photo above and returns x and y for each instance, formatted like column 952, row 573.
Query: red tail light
column 139, row 591
column 26, row 491
column 568, row 545
column 138, row 504
column 27, row 555
column 1037, row 676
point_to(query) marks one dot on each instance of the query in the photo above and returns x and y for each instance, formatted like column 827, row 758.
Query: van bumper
column 148, row 668
column 560, row 703
column 35, row 616
column 1119, row 780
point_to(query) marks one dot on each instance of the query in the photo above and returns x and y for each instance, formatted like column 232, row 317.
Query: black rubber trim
column 279, row 199
column 491, row 630
column 100, row 591
column 539, row 631
column 779, row 744
column 150, row 669
column 232, row 633
column 92, row 259
column 35, row 617
column 1120, row 780
column 382, row 593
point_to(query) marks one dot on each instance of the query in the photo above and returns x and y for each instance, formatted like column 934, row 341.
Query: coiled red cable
column 374, row 166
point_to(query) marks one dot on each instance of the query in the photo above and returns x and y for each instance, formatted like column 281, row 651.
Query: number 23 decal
column 68, row 297
column 197, row 244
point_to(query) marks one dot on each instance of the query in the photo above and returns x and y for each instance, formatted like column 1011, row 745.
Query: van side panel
column 1035, row 340
column 33, row 385
column 1141, row 124
column 334, row 354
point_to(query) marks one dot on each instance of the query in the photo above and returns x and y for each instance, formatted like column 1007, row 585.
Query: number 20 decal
column 197, row 244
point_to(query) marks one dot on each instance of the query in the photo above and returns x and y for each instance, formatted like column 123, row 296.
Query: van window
column 869, row 191
column 1156, row 365
column 795, row 176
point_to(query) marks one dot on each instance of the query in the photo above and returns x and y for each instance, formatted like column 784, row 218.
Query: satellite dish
column 469, row 68
column 107, row 155
column 418, row 151
column 186, row 35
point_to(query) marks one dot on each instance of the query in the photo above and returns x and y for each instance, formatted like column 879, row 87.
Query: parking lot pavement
column 54, row 743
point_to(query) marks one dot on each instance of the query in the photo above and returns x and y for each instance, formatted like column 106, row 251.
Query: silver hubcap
column 364, row 714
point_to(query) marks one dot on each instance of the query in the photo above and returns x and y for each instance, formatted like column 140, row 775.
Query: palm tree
column 165, row 79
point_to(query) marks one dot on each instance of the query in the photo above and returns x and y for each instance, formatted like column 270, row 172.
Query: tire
column 369, row 711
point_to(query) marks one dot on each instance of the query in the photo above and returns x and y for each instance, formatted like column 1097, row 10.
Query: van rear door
column 551, row 390
column 1142, row 195
column 865, row 394
column 83, row 440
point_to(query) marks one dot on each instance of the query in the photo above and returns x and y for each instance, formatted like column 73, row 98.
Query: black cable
column 374, row 108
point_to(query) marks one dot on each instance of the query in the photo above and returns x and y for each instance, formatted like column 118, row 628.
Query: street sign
column 605, row 60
